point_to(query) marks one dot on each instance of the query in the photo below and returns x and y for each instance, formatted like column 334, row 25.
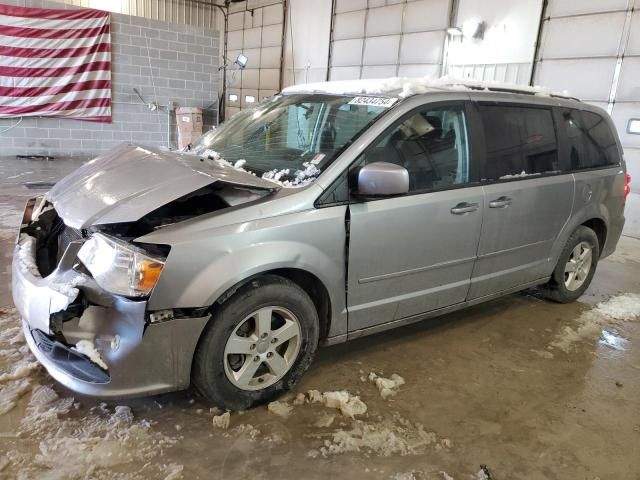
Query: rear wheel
column 257, row 345
column 576, row 267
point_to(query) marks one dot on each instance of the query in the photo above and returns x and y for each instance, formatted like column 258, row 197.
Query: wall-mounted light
column 454, row 31
column 233, row 97
column 249, row 99
column 241, row 61
column 634, row 126
column 473, row 28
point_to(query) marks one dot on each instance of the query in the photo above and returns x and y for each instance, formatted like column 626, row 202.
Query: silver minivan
column 325, row 213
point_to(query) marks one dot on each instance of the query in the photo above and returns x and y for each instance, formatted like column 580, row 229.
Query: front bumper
column 142, row 358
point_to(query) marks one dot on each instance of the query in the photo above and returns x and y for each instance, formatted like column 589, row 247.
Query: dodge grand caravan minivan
column 327, row 212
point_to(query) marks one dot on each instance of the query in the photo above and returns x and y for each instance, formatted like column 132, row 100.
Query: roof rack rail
column 495, row 87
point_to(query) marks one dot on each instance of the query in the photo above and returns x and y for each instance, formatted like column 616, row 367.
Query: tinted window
column 431, row 144
column 520, row 141
column 591, row 142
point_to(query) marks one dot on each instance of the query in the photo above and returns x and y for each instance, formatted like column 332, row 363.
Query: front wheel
column 257, row 345
column 576, row 267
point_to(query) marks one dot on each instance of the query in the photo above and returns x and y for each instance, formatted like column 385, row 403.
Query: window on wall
column 431, row 144
column 591, row 142
column 520, row 142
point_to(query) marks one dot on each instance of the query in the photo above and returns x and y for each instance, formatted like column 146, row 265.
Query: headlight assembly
column 120, row 267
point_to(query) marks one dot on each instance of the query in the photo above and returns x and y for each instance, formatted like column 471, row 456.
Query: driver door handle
column 464, row 207
column 500, row 202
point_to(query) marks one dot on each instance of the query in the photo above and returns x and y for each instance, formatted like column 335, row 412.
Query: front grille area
column 67, row 235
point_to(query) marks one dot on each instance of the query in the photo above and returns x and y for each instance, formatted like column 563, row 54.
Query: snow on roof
column 404, row 86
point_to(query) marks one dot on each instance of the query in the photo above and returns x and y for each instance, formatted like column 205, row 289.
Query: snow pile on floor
column 387, row 387
column 16, row 362
column 385, row 437
column 611, row 313
column 349, row 405
column 102, row 443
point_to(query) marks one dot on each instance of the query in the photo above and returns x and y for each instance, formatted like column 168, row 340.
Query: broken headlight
column 120, row 267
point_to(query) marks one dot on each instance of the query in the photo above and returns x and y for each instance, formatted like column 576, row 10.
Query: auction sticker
column 384, row 102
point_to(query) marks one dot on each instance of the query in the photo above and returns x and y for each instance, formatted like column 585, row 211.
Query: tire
column 239, row 325
column 559, row 288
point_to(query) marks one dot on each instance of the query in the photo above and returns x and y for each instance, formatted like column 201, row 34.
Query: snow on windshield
column 284, row 177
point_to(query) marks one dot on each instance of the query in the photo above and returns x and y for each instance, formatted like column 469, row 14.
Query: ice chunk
column 281, row 409
column 387, row 387
column 86, row 347
column 123, row 414
column 300, row 399
column 222, row 421
column 349, row 405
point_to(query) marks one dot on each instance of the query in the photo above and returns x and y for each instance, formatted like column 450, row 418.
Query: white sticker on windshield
column 384, row 102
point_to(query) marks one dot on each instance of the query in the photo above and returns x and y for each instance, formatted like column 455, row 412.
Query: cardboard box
column 189, row 121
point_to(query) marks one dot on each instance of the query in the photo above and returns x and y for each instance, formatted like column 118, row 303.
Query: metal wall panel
column 398, row 36
column 257, row 33
column 583, row 36
column 558, row 8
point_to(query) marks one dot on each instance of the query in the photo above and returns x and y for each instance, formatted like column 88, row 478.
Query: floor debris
column 387, row 387
column 222, row 421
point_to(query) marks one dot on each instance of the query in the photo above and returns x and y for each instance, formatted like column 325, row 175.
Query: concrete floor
column 528, row 388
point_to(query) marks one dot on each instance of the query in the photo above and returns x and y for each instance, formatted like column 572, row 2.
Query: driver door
column 415, row 253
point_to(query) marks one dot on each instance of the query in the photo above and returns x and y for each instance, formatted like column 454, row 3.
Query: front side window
column 520, row 142
column 431, row 144
column 591, row 143
column 289, row 138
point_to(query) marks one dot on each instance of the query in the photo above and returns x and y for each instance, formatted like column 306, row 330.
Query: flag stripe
column 52, row 32
column 54, row 42
column 49, row 23
column 55, row 63
column 20, row 82
column 51, row 99
column 9, row 51
column 53, row 107
column 50, row 13
column 53, row 72
column 25, row 92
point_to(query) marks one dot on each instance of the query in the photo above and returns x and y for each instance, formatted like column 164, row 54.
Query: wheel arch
column 309, row 282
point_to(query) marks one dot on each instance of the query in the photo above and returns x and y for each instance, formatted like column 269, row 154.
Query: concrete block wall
column 166, row 62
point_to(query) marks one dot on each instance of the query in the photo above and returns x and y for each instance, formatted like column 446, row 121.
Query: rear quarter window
column 591, row 143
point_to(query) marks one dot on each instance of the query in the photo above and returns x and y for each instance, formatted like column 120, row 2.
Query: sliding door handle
column 500, row 202
column 464, row 207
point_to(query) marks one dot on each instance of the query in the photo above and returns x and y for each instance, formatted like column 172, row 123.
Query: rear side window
column 591, row 142
column 520, row 141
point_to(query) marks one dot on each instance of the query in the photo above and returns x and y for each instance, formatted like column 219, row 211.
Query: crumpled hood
column 128, row 182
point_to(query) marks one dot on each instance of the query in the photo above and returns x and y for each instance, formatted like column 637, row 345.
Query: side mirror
column 381, row 179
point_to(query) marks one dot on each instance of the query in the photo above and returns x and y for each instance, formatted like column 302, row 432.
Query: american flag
column 55, row 63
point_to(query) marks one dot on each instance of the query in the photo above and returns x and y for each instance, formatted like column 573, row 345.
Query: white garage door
column 592, row 49
column 258, row 35
column 385, row 38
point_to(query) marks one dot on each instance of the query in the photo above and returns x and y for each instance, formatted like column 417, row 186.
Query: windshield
column 289, row 139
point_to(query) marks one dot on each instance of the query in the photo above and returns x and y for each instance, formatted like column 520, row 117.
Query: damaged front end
column 82, row 295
